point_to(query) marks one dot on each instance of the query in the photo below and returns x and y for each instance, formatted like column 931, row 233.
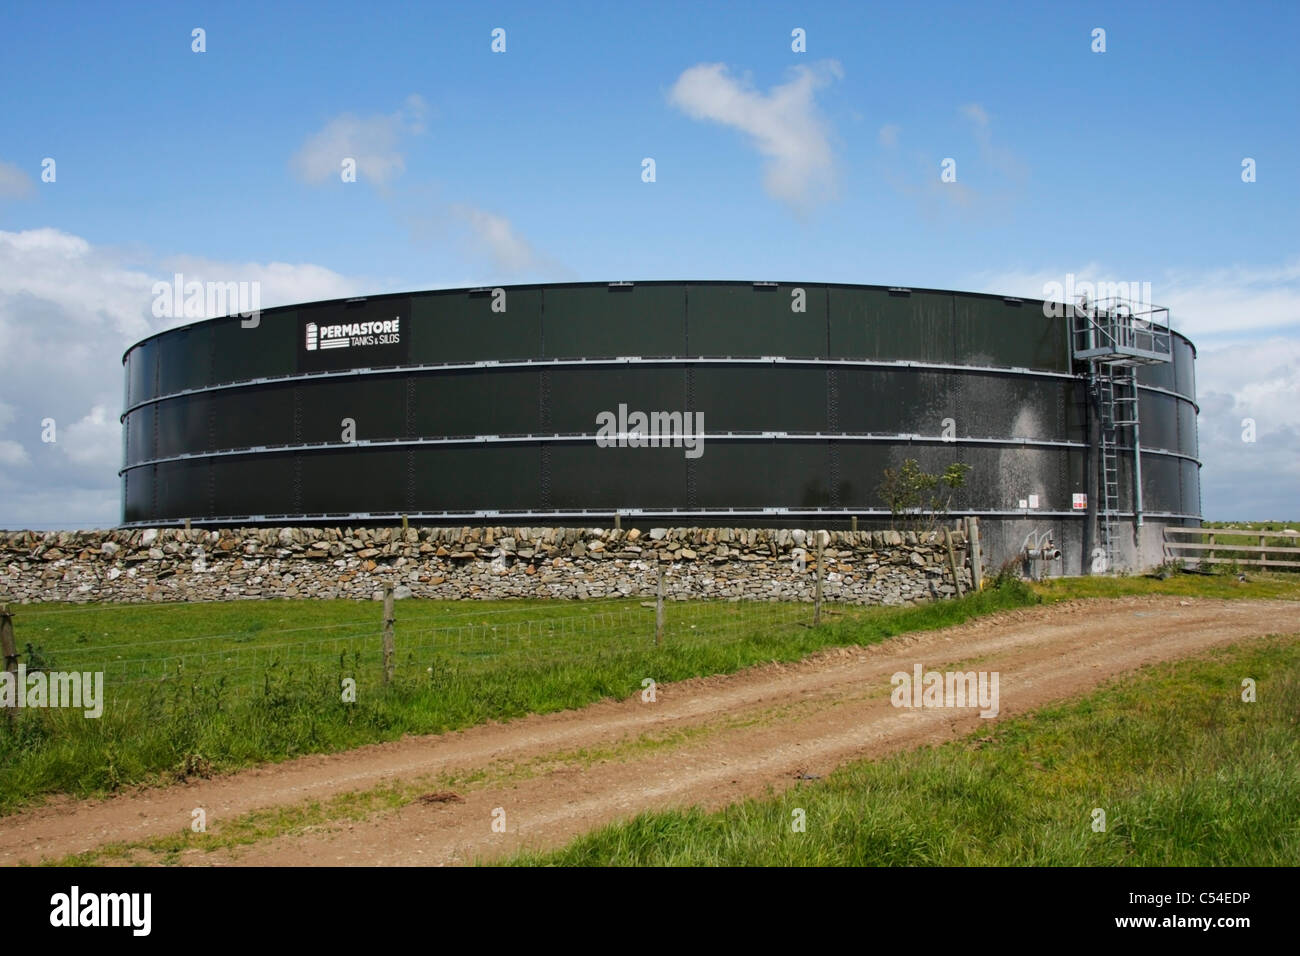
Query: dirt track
column 709, row 741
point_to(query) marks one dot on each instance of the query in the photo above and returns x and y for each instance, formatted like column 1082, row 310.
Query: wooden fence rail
column 1202, row 552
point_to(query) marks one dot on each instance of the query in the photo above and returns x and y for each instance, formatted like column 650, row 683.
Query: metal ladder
column 1118, row 404
column 1111, row 337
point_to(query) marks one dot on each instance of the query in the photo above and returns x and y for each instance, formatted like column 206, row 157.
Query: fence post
column 853, row 523
column 10, row 651
column 952, row 560
column 817, row 597
column 973, row 549
column 1262, row 554
column 618, row 521
column 659, row 604
column 388, row 633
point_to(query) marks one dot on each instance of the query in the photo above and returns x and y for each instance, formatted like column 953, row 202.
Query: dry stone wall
column 861, row 567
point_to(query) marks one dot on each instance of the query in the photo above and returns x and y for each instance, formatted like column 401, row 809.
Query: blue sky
column 478, row 167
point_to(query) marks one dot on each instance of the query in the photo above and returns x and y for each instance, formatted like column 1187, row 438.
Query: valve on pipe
column 1037, row 548
column 1043, row 554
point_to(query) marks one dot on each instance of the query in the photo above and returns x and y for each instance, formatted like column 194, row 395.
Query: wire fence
column 203, row 685
column 423, row 639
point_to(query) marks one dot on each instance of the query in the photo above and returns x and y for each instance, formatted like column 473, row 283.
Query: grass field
column 1254, row 525
column 1186, row 772
column 1217, row 585
column 195, row 689
column 1225, row 543
column 202, row 688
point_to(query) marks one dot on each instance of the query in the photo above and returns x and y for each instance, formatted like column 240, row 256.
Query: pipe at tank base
column 1043, row 554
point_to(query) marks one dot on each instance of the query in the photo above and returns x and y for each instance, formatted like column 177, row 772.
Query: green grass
column 1256, row 585
column 1253, row 525
column 197, row 689
column 247, row 829
column 1187, row 774
column 1225, row 543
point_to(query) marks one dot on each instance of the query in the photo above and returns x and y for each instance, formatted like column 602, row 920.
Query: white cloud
column 94, row 441
column 1000, row 158
column 918, row 177
column 279, row 283
column 976, row 114
column 12, row 454
column 1232, row 300
column 917, row 172
column 784, row 125
column 373, row 141
column 14, row 182
column 1260, row 381
column 68, row 310
column 496, row 237
column 1205, row 305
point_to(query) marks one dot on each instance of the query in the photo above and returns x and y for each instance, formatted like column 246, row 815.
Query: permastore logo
column 348, row 334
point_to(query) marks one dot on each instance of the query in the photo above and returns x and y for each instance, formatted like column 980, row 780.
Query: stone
column 274, row 562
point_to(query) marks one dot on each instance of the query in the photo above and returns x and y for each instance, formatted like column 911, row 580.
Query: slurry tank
column 761, row 404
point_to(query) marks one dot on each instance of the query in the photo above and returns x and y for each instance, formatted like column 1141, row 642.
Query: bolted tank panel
column 461, row 406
